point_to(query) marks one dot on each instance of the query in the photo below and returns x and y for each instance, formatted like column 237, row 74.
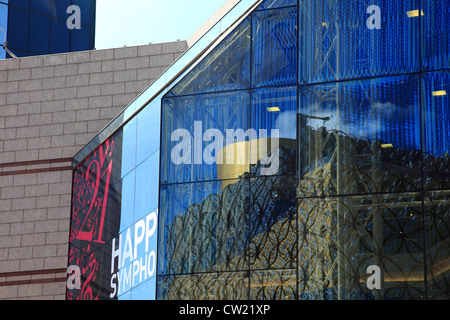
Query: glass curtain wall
column 37, row 27
column 308, row 149
column 306, row 156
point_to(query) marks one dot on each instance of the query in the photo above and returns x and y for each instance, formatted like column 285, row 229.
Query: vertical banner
column 91, row 188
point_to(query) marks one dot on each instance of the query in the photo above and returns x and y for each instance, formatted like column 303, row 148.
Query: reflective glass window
column 202, row 227
column 274, row 47
column 203, row 132
column 204, row 286
column 59, row 9
column 18, row 29
column 41, row 6
column 80, row 39
column 147, row 177
column 59, row 36
column 354, row 38
column 39, row 34
column 148, row 124
column 127, row 200
column 436, row 91
column 272, row 225
column 273, row 285
column 25, row 4
column 360, row 136
column 274, row 113
column 145, row 291
column 227, row 67
column 436, row 35
column 340, row 238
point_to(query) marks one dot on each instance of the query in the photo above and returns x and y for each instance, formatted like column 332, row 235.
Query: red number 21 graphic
column 96, row 177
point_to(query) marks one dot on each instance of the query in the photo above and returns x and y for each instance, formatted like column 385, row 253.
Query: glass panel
column 147, row 185
column 59, row 9
column 436, row 96
column 437, row 206
column 360, row 137
column 273, row 285
column 17, row 24
column 41, row 6
column 275, row 109
column 353, row 38
column 25, row 4
column 340, row 238
column 59, row 36
column 80, row 39
column 148, row 130
column 272, row 223
column 146, row 291
column 202, row 227
column 39, row 34
column 202, row 133
column 274, row 47
column 129, row 147
column 436, row 35
column 271, row 4
column 209, row 286
column 227, row 67
column 127, row 200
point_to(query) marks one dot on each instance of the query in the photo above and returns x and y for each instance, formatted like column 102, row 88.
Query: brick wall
column 50, row 107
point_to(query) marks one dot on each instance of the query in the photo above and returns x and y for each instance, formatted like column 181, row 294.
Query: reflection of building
column 236, row 157
column 336, row 238
column 363, row 176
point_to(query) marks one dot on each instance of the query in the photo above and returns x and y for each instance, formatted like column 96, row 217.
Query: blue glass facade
column 311, row 143
column 37, row 27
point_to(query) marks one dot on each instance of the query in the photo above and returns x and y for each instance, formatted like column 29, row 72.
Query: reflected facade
column 309, row 145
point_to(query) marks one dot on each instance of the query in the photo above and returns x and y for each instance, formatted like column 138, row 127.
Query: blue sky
column 136, row 22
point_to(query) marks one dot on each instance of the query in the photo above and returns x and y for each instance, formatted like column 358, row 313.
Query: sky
column 137, row 22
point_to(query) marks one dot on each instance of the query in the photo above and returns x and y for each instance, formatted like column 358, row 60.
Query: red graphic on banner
column 91, row 183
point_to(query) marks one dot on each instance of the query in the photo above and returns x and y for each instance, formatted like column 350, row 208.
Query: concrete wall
column 50, row 107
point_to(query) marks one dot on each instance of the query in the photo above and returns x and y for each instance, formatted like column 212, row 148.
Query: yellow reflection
column 273, row 109
column 387, row 145
column 414, row 13
column 439, row 93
